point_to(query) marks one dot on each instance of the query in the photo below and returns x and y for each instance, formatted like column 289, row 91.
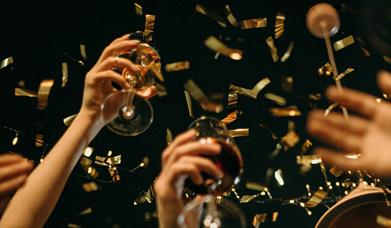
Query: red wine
column 230, row 162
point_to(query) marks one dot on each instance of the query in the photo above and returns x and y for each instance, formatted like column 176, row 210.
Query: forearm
column 168, row 212
column 33, row 203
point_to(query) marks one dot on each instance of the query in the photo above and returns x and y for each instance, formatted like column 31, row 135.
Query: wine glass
column 209, row 207
column 134, row 114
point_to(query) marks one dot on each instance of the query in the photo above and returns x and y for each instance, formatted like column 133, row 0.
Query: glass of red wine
column 209, row 207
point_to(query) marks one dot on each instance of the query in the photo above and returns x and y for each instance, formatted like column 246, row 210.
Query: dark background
column 40, row 35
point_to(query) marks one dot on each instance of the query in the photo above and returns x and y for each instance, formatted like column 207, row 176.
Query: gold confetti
column 330, row 108
column 230, row 17
column 231, row 117
column 189, row 104
column 264, row 217
column 273, row 48
column 287, row 83
column 288, row 53
column 335, row 171
column 138, row 9
column 86, row 211
column 177, row 66
column 6, row 62
column 68, row 120
column 88, row 151
column 19, row 92
column 253, row 23
column 278, row 175
column 290, row 139
column 326, row 70
column 83, row 52
column 232, row 99
column 383, row 221
column 285, row 112
column 279, row 25
column 90, row 187
column 253, row 93
column 248, row 198
column 44, row 92
column 216, row 45
column 149, row 26
column 256, row 186
column 239, row 132
column 275, row 98
column 39, row 140
column 64, row 67
column 316, row 199
column 306, row 145
column 161, row 90
column 202, row 10
column 343, row 74
column 168, row 136
column 341, row 44
column 197, row 94
column 114, row 173
column 108, row 161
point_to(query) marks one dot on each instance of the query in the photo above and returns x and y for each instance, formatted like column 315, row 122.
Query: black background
column 40, row 35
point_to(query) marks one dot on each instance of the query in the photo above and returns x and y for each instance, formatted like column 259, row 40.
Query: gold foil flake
column 145, row 197
column 83, row 53
column 264, row 217
column 239, row 132
column 279, row 25
column 325, row 70
column 114, row 173
column 278, row 175
column 231, row 117
column 341, row 44
column 285, row 112
column 88, row 151
column 64, row 67
column 330, row 108
column 273, row 48
column 149, row 26
column 86, row 211
column 44, row 92
column 189, row 104
column 343, row 74
column 306, row 145
column 335, row 171
column 201, row 98
column 275, row 98
column 39, row 140
column 248, row 198
column 230, row 17
column 68, row 120
column 177, row 66
column 202, row 10
column 316, row 199
column 169, row 137
column 383, row 221
column 256, row 186
column 116, row 160
column 85, row 162
column 290, row 139
column 216, row 45
column 92, row 172
column 253, row 93
column 288, row 53
column 90, row 187
column 253, row 23
column 138, row 9
column 363, row 46
column 6, row 62
column 19, row 92
column 232, row 99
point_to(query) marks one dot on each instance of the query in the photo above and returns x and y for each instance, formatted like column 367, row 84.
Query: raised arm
column 34, row 201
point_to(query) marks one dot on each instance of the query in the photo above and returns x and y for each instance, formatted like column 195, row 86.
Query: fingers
column 384, row 81
column 338, row 159
column 182, row 138
column 11, row 185
column 15, row 169
column 352, row 99
column 117, row 48
column 124, row 37
column 354, row 125
column 193, row 166
column 116, row 62
column 112, row 76
column 6, row 159
column 194, row 149
column 333, row 135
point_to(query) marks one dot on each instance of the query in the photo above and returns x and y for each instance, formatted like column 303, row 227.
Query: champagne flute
column 209, row 208
column 133, row 114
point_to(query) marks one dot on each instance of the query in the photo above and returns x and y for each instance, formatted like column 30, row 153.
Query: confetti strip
column 230, row 17
column 19, row 92
column 253, row 23
column 288, row 53
column 343, row 74
column 169, row 137
column 273, row 48
column 216, row 45
column 239, row 132
column 68, row 120
column 189, row 103
column 83, row 52
column 202, row 10
column 138, row 9
column 345, row 42
column 279, row 25
column 149, row 26
column 231, row 117
column 6, row 62
column 316, row 199
column 177, row 66
column 253, row 93
column 64, row 67
column 44, row 92
column 197, row 94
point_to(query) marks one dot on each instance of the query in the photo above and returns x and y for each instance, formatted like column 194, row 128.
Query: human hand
column 14, row 170
column 98, row 81
column 368, row 135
